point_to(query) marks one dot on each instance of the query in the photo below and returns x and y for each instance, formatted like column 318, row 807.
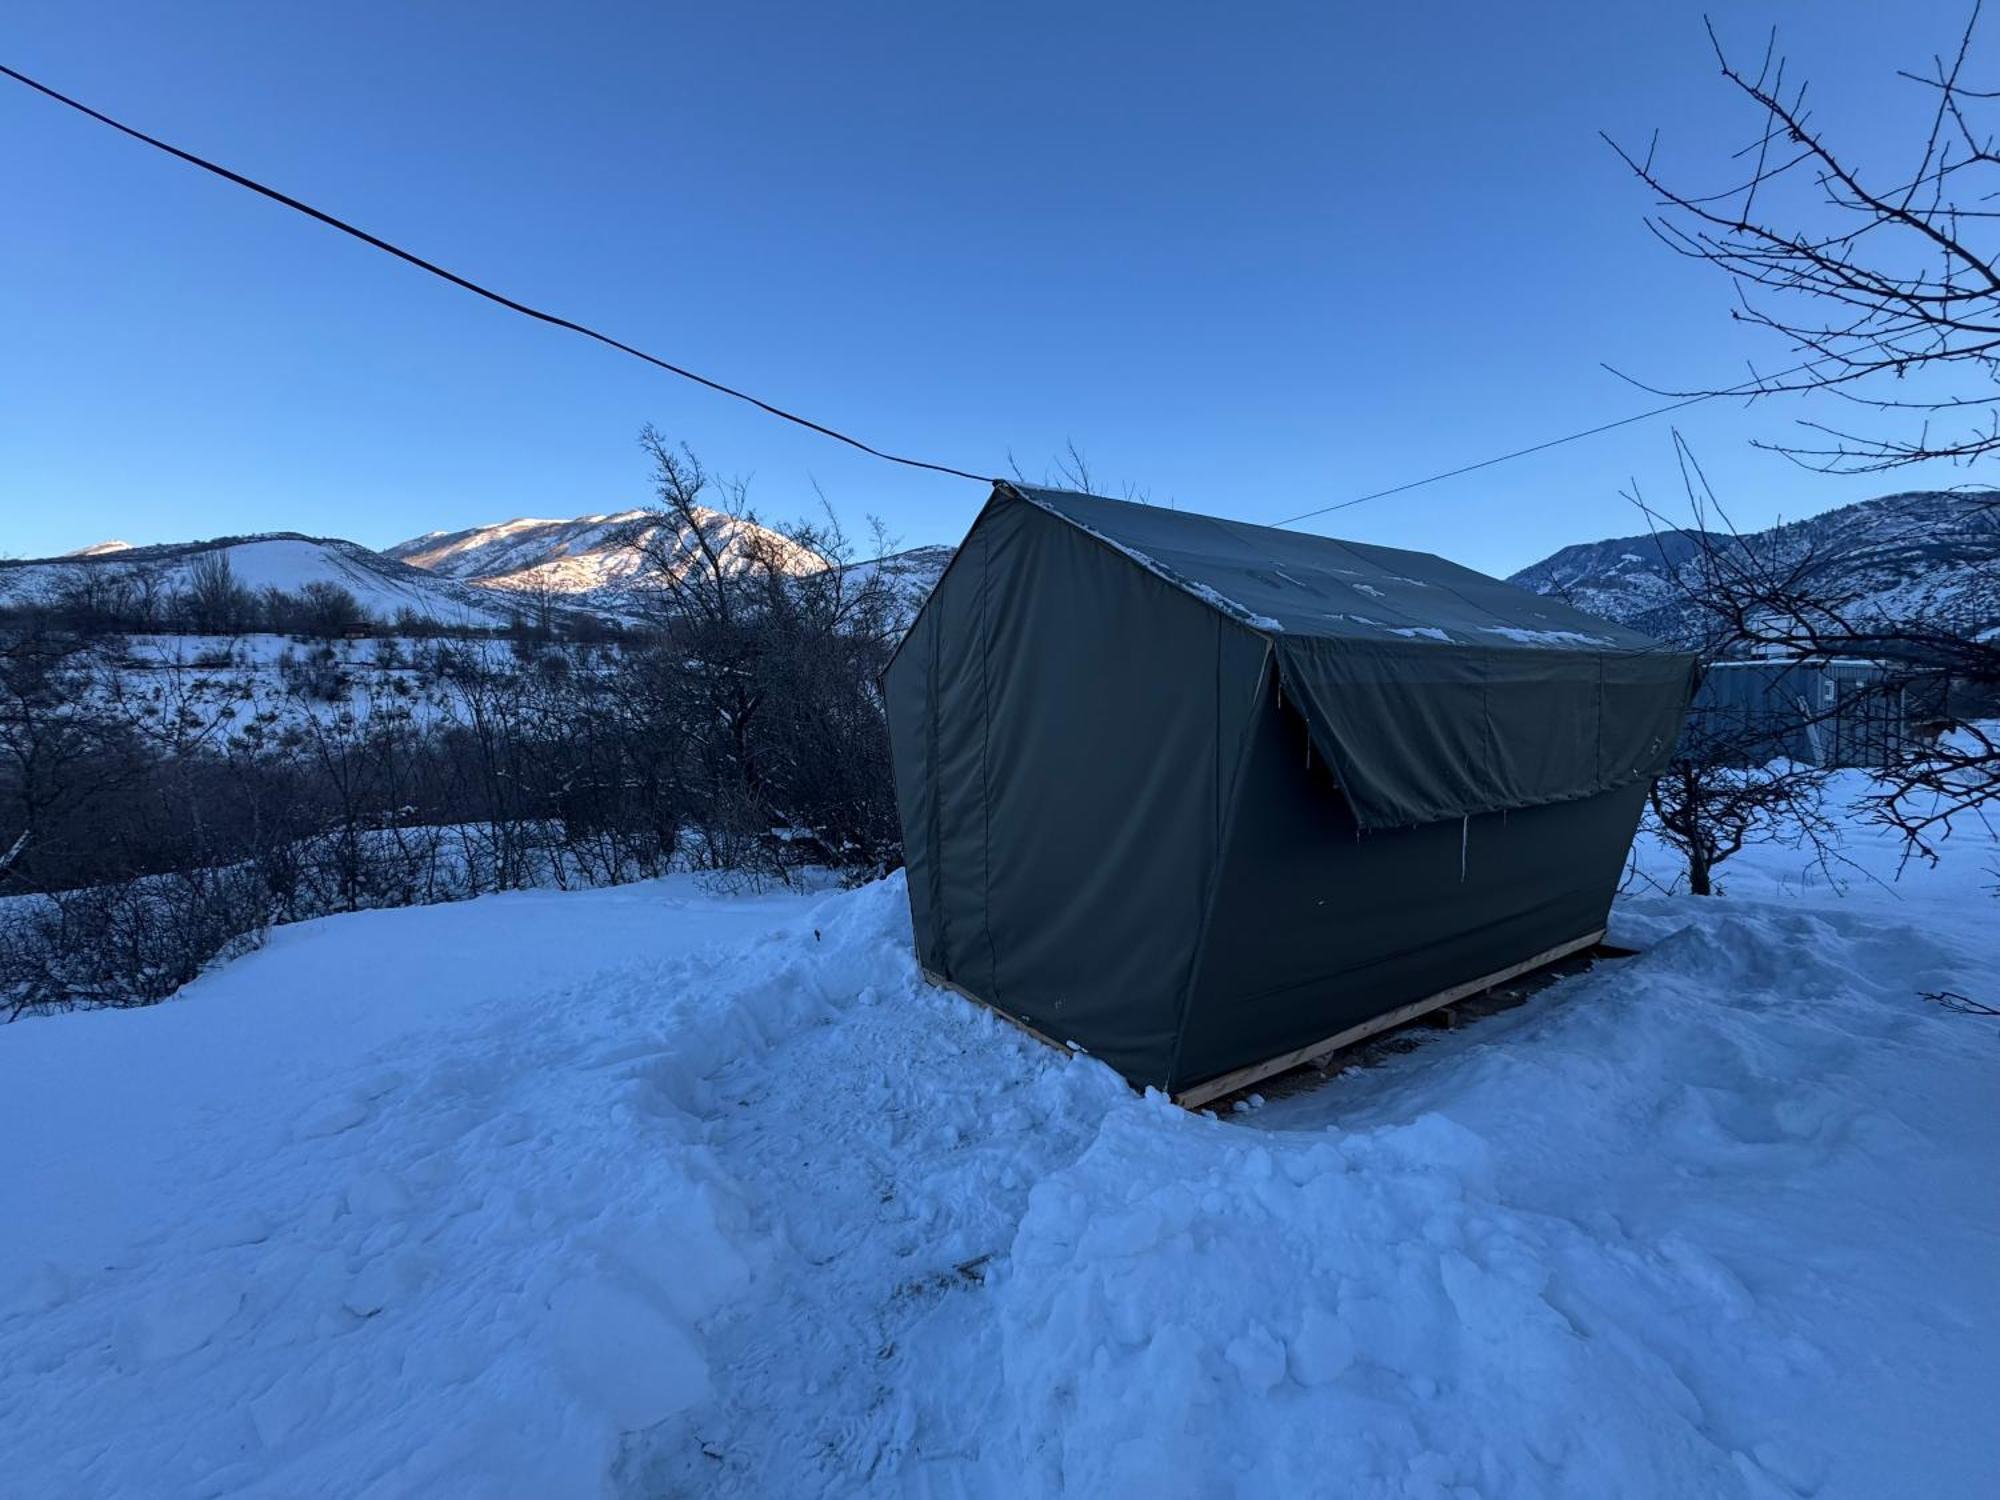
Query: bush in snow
column 130, row 943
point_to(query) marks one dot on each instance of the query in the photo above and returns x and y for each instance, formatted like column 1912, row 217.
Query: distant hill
column 912, row 574
column 1924, row 553
column 593, row 560
column 509, row 548
column 596, row 561
column 472, row 578
column 281, row 559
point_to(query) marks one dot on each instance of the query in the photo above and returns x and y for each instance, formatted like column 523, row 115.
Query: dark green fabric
column 1142, row 817
column 1435, row 691
column 1319, row 924
column 1077, row 706
column 1426, row 733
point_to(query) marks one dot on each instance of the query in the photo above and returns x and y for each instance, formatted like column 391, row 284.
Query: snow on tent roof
column 1295, row 583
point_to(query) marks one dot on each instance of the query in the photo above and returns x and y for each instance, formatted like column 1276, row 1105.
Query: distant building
column 1833, row 712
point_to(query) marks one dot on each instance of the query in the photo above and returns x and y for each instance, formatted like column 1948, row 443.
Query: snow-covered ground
column 649, row 1192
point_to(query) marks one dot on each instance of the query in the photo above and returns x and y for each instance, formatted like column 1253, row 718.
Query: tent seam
column 985, row 762
column 1227, row 830
column 936, row 796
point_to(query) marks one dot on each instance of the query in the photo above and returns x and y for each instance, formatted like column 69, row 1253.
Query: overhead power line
column 556, row 321
column 474, row 287
column 1749, row 387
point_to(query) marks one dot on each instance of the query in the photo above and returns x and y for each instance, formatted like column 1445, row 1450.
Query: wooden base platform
column 1316, row 1053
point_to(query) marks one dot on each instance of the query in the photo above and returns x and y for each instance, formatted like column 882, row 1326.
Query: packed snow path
column 647, row 1192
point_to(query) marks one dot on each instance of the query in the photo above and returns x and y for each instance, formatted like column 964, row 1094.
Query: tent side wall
column 1064, row 727
column 1319, row 925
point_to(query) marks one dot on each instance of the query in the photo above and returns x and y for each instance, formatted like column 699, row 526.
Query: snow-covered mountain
column 287, row 560
column 595, row 560
column 1924, row 553
column 472, row 578
column 517, row 546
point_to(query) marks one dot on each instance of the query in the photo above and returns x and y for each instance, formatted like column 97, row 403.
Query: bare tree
column 767, row 641
column 1071, row 470
column 212, row 601
column 1866, row 281
column 1707, row 808
column 544, row 603
column 327, row 609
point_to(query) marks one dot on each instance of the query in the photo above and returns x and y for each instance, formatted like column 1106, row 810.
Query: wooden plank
column 1242, row 1078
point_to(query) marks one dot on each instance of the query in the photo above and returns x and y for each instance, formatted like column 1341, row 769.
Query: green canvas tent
column 1199, row 796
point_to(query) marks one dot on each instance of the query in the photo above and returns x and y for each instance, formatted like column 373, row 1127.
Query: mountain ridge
column 1932, row 554
column 1929, row 553
column 604, row 560
column 385, row 587
column 474, row 577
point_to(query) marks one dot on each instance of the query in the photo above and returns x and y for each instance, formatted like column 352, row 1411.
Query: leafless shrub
column 764, row 651
column 133, row 942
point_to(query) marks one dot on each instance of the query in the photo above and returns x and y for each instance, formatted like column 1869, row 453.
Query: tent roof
column 1295, row 584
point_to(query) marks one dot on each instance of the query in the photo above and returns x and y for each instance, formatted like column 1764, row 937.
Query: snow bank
column 645, row 1191
column 1656, row 1239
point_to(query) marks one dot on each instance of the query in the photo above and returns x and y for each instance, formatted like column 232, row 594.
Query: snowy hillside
column 648, row 1191
column 912, row 574
column 520, row 545
column 598, row 560
column 1924, row 553
column 284, row 560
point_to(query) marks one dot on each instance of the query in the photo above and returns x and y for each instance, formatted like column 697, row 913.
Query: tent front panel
column 1320, row 924
column 1079, row 710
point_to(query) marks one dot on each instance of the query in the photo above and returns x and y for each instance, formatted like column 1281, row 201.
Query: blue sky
column 1250, row 259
